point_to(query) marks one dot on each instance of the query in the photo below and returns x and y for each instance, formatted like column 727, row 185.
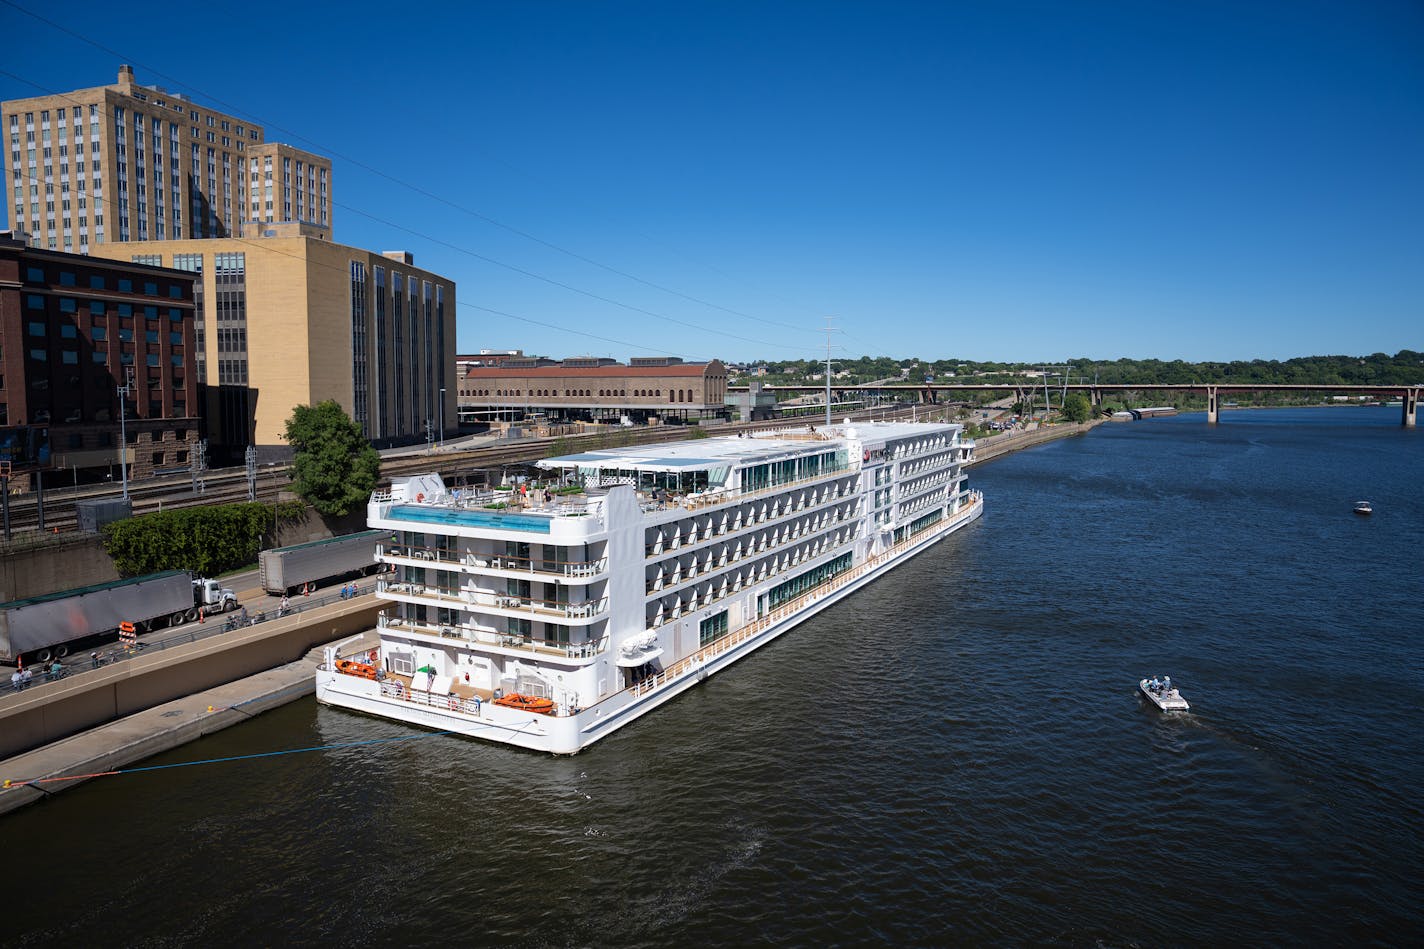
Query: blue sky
column 1004, row 180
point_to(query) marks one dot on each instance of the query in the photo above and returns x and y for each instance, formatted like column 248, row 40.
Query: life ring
column 866, row 457
column 454, row 703
column 420, row 496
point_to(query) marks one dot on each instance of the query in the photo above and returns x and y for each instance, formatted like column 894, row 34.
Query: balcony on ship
column 494, row 641
column 543, row 568
column 578, row 612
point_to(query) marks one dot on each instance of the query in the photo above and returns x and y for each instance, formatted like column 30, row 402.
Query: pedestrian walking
column 94, row 659
column 286, row 603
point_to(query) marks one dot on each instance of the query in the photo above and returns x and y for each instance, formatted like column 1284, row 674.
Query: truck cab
column 213, row 596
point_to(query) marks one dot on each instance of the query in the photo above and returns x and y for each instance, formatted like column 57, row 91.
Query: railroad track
column 229, row 485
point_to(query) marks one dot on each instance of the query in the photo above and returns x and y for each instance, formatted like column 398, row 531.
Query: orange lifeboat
column 359, row 669
column 526, row 703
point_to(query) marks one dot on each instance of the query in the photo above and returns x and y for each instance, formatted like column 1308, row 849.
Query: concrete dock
column 108, row 718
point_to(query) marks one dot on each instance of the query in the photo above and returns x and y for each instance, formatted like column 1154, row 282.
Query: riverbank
column 996, row 446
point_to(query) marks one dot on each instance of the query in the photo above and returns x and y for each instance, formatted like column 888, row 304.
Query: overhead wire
column 238, row 111
column 487, row 259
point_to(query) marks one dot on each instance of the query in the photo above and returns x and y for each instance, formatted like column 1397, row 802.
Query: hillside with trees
column 1405, row 367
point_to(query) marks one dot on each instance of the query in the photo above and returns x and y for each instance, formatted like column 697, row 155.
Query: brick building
column 73, row 329
column 594, row 389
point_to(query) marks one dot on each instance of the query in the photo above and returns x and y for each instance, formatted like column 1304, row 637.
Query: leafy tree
column 1077, row 408
column 335, row 469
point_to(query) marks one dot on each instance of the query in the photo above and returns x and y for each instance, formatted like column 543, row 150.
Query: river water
column 953, row 756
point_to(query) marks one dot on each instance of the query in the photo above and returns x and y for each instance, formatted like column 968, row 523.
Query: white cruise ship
column 548, row 620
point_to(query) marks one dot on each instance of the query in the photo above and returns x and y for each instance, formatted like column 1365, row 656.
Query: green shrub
column 204, row 540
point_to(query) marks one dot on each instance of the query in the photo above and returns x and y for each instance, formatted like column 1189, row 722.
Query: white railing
column 423, row 556
column 490, row 637
column 451, row 703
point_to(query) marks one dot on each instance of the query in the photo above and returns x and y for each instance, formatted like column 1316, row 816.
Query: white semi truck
column 41, row 628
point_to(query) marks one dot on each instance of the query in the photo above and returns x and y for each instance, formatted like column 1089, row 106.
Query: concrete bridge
column 929, row 393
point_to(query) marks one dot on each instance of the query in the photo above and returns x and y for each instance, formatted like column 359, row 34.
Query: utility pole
column 250, row 457
column 197, row 464
column 829, row 329
column 442, row 419
column 123, row 392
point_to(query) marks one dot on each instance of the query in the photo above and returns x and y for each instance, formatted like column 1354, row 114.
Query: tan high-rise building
column 286, row 185
column 294, row 320
column 127, row 162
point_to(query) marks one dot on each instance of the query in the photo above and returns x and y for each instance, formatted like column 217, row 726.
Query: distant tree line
column 1405, row 367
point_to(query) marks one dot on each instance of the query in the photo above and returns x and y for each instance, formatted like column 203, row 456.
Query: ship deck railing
column 418, row 556
column 468, row 600
column 488, row 637
column 716, row 497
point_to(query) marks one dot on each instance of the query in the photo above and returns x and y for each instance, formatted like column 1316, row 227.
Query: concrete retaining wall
column 49, row 711
column 71, row 560
column 66, row 562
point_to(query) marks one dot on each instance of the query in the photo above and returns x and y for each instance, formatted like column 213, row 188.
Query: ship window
column 712, row 628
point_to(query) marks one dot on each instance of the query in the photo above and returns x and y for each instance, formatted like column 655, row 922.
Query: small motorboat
column 1164, row 695
column 1363, row 507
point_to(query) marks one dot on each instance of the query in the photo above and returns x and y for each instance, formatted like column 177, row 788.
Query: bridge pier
column 1411, row 407
column 1213, row 407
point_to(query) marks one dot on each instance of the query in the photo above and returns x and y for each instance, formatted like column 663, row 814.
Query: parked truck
column 285, row 570
column 41, row 628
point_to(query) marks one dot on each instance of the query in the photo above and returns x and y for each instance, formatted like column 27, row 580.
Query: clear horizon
column 1012, row 182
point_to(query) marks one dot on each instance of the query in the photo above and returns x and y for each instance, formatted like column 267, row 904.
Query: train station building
column 593, row 389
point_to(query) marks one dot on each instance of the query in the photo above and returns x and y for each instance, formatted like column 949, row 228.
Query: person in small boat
column 1155, row 685
column 1166, row 683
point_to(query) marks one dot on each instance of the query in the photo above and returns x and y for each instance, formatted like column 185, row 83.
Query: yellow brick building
column 293, row 320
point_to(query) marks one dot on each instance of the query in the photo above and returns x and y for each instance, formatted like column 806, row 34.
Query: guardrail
column 215, row 625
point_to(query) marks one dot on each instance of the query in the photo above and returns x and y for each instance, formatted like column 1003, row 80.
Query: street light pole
column 276, row 493
column 442, row 419
column 123, row 392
